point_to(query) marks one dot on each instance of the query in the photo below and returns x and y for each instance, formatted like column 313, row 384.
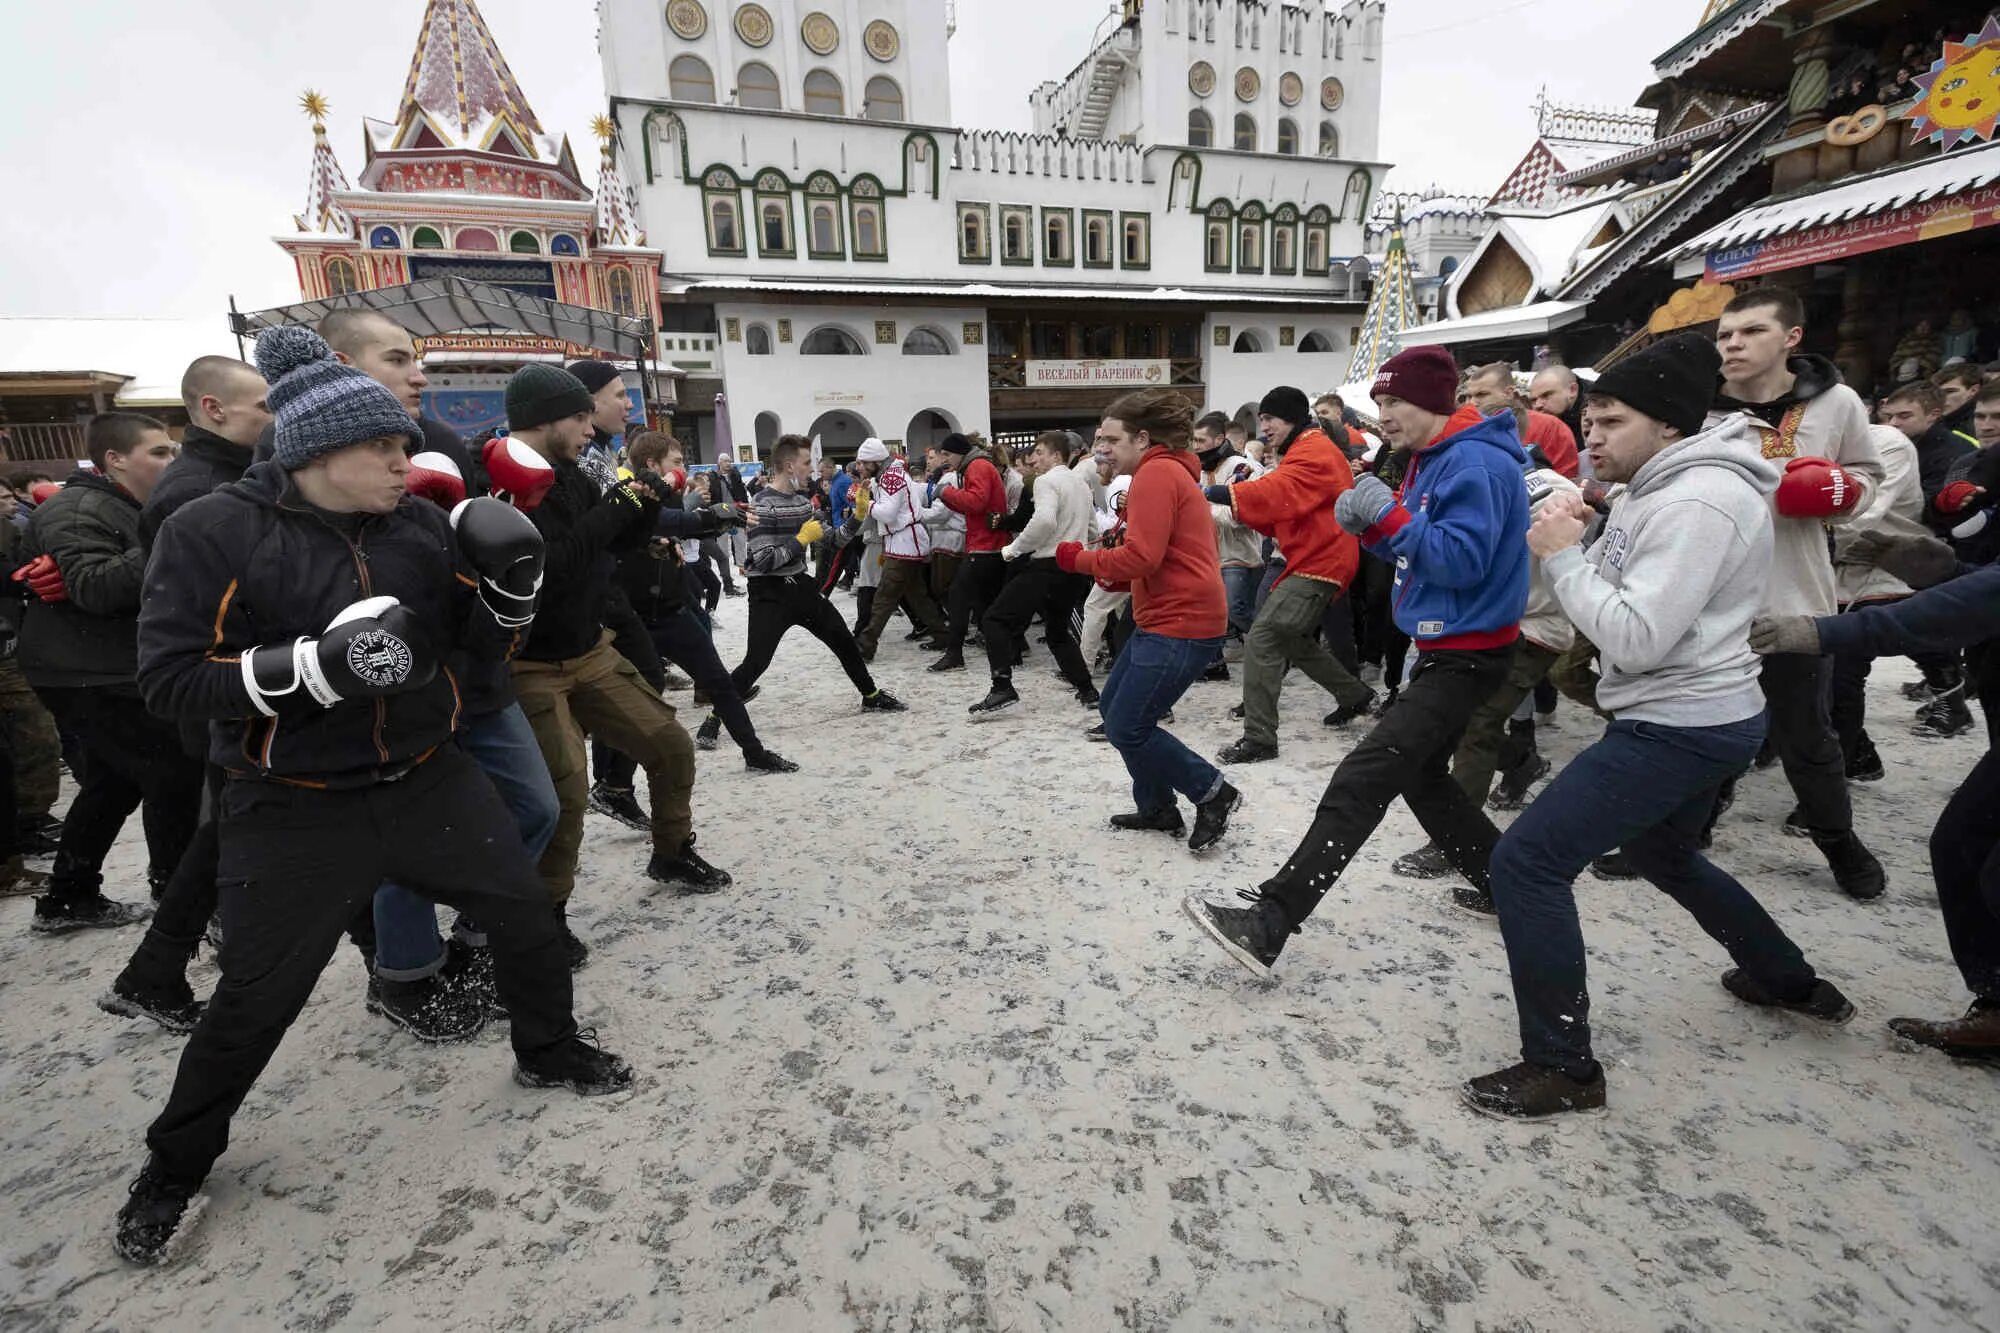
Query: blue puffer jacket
column 1459, row 537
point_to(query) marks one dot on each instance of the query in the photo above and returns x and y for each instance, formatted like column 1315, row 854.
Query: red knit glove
column 1954, row 498
column 1066, row 554
column 44, row 579
column 1816, row 488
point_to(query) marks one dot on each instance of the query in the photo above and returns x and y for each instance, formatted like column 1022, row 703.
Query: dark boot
column 1254, row 936
column 1167, row 820
column 574, row 949
column 578, row 1064
column 686, row 870
column 1211, row 817
column 152, row 1213
column 1534, row 1092
column 864, row 606
column 1975, row 1037
column 1855, row 868
column 998, row 700
column 1822, row 1000
column 430, row 1010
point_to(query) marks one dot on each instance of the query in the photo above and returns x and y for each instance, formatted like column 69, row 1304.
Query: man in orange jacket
column 1293, row 503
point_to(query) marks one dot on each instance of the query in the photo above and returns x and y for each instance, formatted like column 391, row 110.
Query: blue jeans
column 1239, row 584
column 1646, row 788
column 407, row 947
column 1149, row 677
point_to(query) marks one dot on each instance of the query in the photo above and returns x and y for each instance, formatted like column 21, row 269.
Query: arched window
column 825, row 229
column 868, row 243
column 1288, row 137
column 1201, row 130
column 1055, row 239
column 823, row 94
column 1315, row 341
column 477, row 238
column 1218, row 245
column 426, row 238
column 1316, row 249
column 689, row 79
column 1246, row 132
column 831, row 340
column 723, row 233
column 972, row 234
column 618, row 284
column 1329, row 139
column 1097, row 241
column 1014, row 238
column 1248, row 341
column 384, row 238
column 774, row 226
column 757, row 85
column 757, row 340
column 1448, row 267
column 883, row 100
column 524, row 243
column 561, row 244
column 1250, row 247
column 926, row 342
column 1135, row 243
column 1281, row 248
column 340, row 277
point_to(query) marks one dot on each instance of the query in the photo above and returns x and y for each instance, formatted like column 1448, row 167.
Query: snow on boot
column 60, row 916
column 155, row 1212
column 1427, row 862
column 1211, row 818
column 577, row 1063
column 430, row 1010
column 170, row 1003
column 686, row 870
column 620, row 804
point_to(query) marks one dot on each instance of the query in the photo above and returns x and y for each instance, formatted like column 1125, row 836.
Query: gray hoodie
column 1668, row 592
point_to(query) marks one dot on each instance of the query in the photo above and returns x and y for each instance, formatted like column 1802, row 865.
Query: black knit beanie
column 1286, row 404
column 1673, row 381
column 539, row 394
column 954, row 444
column 593, row 375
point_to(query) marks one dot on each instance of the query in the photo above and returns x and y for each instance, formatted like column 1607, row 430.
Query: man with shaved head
column 1557, row 391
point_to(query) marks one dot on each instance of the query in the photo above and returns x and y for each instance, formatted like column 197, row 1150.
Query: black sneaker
column 1159, row 821
column 768, row 761
column 1533, row 1092
column 1346, row 713
column 1211, row 818
column 1088, row 696
column 174, row 1009
column 1476, row 901
column 468, row 969
column 1254, row 936
column 1511, row 792
column 1218, row 670
column 1824, row 1001
column 575, row 951
column 152, row 1214
column 1096, row 733
column 998, row 700
column 1427, row 862
column 883, row 702
column 59, row 916
column 620, row 804
column 1866, row 766
column 687, row 871
column 1855, row 868
column 949, row 662
column 577, row 1063
column 1243, row 750
column 1944, row 716
column 705, row 736
column 430, row 1010
column 1613, row 865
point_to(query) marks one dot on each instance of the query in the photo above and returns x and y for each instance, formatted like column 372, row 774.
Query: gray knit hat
column 322, row 405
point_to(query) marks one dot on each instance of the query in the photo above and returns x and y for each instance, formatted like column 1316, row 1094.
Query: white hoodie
column 947, row 525
column 899, row 514
column 1895, row 510
column 1062, row 514
column 1668, row 591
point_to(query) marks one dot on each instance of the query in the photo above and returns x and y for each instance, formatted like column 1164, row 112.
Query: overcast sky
column 152, row 150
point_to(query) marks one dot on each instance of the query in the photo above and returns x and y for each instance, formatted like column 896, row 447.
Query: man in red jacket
column 1293, row 503
column 981, row 495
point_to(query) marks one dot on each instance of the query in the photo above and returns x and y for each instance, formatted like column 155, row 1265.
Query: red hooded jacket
column 1169, row 554
column 983, row 492
column 1293, row 503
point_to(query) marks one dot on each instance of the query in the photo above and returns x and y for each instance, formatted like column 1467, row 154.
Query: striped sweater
column 774, row 546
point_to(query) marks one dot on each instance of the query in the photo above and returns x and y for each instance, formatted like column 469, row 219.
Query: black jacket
column 586, row 533
column 253, row 565
column 206, row 462
column 651, row 575
column 1939, row 450
column 91, row 528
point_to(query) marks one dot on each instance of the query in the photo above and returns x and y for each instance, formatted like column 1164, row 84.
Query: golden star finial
column 601, row 126
column 314, row 105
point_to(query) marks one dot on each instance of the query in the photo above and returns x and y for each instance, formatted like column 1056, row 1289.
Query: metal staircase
column 1108, row 65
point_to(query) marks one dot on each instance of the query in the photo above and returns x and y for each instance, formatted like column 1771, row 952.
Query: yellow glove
column 861, row 502
column 811, row 531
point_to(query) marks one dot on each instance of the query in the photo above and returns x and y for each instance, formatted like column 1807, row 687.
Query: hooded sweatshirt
column 1820, row 418
column 1168, row 554
column 900, row 515
column 1293, row 504
column 1239, row 547
column 1668, row 591
column 1895, row 510
column 1543, row 622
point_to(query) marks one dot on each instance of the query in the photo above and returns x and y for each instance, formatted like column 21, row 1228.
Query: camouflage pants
column 31, row 736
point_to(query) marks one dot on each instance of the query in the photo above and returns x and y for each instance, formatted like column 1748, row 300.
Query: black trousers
column 189, row 900
column 297, row 865
column 129, row 758
column 1795, row 688
column 781, row 604
column 1965, row 863
column 1037, row 585
column 978, row 581
column 1408, row 754
column 685, row 641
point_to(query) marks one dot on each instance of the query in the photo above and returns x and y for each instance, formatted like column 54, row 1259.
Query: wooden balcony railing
column 50, row 441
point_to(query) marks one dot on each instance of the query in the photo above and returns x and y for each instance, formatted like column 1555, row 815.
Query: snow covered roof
column 459, row 79
column 1929, row 179
column 1527, row 321
column 987, row 290
column 323, row 215
column 616, row 220
column 152, row 354
column 1551, row 244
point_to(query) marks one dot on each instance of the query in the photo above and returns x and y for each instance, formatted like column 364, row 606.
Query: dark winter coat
column 91, row 528
column 206, row 462
column 1939, row 450
column 253, row 565
column 586, row 533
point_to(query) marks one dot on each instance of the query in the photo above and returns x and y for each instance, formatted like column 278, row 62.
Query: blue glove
column 1216, row 495
column 1362, row 507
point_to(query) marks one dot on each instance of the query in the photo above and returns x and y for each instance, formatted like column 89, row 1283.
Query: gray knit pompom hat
column 321, row 404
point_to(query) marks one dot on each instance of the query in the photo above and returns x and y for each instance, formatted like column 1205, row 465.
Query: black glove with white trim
column 373, row 648
column 503, row 545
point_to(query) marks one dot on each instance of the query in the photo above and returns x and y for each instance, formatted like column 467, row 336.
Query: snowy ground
column 948, row 1057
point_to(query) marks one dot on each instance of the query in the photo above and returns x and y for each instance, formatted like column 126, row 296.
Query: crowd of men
column 349, row 667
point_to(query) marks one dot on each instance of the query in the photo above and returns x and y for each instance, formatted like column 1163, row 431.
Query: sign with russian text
column 1097, row 374
column 1926, row 221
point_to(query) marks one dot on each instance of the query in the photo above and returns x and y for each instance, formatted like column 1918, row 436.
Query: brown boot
column 1974, row 1037
column 17, row 881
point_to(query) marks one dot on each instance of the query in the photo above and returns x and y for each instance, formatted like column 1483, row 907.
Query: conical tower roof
column 323, row 214
column 459, row 80
column 1391, row 309
column 617, row 206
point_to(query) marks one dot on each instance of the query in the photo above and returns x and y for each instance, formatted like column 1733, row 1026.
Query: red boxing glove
column 1816, row 488
column 43, row 579
column 519, row 475
column 677, row 479
column 434, row 477
column 1066, row 554
column 1954, row 498
column 42, row 490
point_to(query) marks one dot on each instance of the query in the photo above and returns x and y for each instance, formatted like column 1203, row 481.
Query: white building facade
column 817, row 215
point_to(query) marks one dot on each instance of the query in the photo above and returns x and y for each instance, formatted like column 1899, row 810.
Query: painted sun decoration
column 1960, row 96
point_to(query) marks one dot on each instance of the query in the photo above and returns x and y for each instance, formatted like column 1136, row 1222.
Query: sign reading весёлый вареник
column 1096, row 374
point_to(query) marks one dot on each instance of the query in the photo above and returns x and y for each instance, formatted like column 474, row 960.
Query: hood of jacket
column 1466, row 427
column 1184, row 459
column 1811, row 377
column 90, row 479
column 1731, row 443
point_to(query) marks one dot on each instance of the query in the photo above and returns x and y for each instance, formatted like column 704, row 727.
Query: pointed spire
column 1391, row 309
column 617, row 207
column 459, row 79
column 323, row 214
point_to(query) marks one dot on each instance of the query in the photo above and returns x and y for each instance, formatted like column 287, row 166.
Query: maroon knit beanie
column 1424, row 377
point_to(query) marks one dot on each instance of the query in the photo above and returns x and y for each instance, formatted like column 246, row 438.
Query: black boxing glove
column 372, row 648
column 503, row 545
